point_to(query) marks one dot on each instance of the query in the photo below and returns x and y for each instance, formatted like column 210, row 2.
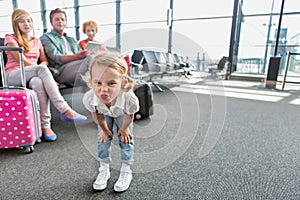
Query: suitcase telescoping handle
column 20, row 50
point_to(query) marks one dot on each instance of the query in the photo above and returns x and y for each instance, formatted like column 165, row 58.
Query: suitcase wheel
column 138, row 116
column 29, row 149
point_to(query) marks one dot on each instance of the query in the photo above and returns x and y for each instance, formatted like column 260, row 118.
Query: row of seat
column 149, row 64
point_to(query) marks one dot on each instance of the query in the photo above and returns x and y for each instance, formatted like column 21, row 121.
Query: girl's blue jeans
column 104, row 149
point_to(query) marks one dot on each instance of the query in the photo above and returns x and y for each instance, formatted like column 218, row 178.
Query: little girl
column 90, row 28
column 112, row 100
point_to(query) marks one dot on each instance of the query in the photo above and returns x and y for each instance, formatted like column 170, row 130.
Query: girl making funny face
column 107, row 84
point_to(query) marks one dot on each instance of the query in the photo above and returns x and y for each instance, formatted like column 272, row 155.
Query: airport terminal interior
column 226, row 102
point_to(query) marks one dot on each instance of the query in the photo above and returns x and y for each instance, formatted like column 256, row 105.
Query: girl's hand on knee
column 104, row 135
column 125, row 136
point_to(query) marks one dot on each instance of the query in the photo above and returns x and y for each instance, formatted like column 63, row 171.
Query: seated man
column 63, row 52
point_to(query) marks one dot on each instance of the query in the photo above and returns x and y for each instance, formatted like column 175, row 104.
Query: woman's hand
column 125, row 136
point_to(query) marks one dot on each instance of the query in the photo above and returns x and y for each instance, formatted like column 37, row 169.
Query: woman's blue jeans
column 104, row 149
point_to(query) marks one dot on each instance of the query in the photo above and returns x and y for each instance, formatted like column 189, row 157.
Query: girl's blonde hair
column 15, row 18
column 89, row 23
column 114, row 61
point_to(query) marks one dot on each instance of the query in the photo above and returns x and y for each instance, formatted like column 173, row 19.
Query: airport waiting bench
column 148, row 65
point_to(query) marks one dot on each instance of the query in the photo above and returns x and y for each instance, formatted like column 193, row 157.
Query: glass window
column 259, row 33
column 257, row 39
column 103, row 14
column 265, row 6
column 148, row 35
column 6, row 9
column 213, row 39
column 289, row 41
column 291, row 6
column 144, row 10
column 51, row 5
column 29, row 6
column 196, row 8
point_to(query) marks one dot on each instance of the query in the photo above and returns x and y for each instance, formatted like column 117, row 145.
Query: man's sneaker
column 124, row 180
column 101, row 181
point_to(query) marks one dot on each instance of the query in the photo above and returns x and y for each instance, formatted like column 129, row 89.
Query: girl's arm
column 100, row 120
column 124, row 131
column 127, row 119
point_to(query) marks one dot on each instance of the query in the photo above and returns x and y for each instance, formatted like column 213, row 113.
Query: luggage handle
column 3, row 75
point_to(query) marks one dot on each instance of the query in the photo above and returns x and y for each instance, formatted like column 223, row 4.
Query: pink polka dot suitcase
column 19, row 113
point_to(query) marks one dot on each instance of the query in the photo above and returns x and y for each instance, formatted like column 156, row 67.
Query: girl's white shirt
column 126, row 102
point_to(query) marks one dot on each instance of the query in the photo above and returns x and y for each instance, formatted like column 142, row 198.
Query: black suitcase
column 145, row 95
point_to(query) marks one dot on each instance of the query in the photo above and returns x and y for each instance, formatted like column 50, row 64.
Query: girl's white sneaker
column 101, row 181
column 124, row 180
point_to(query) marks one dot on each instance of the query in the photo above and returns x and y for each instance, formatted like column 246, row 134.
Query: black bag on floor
column 145, row 95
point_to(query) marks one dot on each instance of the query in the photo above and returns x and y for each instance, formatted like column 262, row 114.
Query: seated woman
column 90, row 28
column 38, row 76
